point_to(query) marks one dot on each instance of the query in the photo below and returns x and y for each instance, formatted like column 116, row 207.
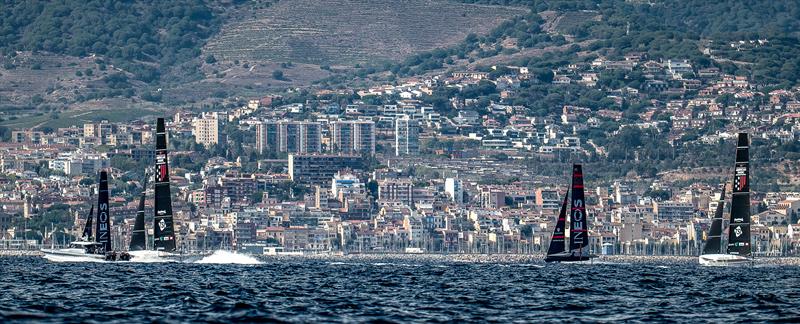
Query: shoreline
column 473, row 258
column 516, row 258
column 6, row 253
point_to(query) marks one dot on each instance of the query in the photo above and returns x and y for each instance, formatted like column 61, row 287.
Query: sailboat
column 164, row 228
column 101, row 247
column 739, row 248
column 164, row 247
column 579, row 226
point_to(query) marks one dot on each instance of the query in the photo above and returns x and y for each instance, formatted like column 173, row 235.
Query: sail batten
column 739, row 226
column 163, row 227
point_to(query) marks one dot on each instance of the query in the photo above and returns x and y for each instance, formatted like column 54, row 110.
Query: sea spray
column 227, row 257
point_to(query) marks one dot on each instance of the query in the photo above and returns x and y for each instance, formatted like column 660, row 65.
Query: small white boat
column 723, row 260
column 101, row 247
column 78, row 249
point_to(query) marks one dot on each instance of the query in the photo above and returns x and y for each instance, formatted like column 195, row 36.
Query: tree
column 257, row 196
column 278, row 75
column 372, row 187
column 123, row 163
column 5, row 134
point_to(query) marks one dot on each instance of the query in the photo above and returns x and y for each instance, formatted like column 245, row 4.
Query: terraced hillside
column 351, row 31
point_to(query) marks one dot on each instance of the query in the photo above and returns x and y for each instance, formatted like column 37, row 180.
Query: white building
column 206, row 129
column 454, row 188
column 406, row 136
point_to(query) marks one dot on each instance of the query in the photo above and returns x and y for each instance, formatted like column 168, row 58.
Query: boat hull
column 567, row 257
column 723, row 260
column 72, row 253
column 77, row 254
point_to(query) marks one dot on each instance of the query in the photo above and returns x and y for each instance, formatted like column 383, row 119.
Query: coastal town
column 443, row 163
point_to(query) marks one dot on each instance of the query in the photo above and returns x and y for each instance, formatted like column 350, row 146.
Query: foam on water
column 227, row 257
column 148, row 256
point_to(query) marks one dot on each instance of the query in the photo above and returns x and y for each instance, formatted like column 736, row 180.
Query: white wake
column 227, row 257
column 149, row 256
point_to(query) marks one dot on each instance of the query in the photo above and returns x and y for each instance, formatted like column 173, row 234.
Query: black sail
column 103, row 228
column 714, row 241
column 557, row 240
column 163, row 227
column 579, row 222
column 87, row 229
column 138, row 237
column 739, row 227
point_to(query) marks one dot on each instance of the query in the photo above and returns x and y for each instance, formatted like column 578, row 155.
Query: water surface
column 394, row 289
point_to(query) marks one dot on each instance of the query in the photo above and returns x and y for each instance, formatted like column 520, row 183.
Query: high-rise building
column 353, row 137
column 206, row 129
column 406, row 136
column 454, row 188
column 319, row 169
column 289, row 137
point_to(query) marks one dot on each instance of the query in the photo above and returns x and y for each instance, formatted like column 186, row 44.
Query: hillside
column 70, row 55
column 556, row 32
column 346, row 32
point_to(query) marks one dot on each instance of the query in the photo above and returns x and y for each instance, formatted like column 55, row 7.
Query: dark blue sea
column 394, row 290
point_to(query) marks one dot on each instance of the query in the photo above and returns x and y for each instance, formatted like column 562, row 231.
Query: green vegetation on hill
column 141, row 37
column 665, row 29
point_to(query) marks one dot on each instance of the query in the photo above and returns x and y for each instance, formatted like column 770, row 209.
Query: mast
column 103, row 228
column 557, row 240
column 87, row 229
column 739, row 228
column 714, row 242
column 138, row 236
column 579, row 223
column 163, row 227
